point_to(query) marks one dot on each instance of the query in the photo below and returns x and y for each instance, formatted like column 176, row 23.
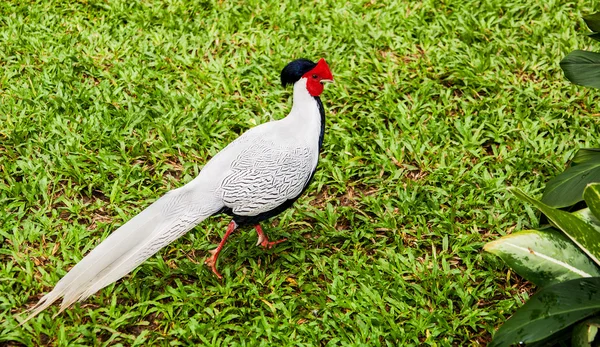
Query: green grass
column 436, row 109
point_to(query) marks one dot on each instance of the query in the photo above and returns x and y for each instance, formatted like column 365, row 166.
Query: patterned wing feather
column 264, row 176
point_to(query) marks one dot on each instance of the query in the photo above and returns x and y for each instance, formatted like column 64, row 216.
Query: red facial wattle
column 315, row 77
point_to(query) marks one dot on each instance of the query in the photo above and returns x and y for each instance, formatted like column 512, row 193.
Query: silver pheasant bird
column 255, row 177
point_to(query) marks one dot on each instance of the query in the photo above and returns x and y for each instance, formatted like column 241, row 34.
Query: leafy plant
column 567, row 188
column 565, row 262
column 564, row 258
column 541, row 317
column 550, row 256
column 582, row 68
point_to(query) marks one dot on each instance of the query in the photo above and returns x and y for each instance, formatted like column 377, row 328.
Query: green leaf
column 544, row 257
column 591, row 195
column 585, row 333
column 582, row 233
column 586, row 154
column 549, row 311
column 567, row 188
column 587, row 216
column 582, row 67
column 593, row 21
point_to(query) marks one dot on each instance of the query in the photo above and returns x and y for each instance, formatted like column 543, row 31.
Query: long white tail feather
column 167, row 219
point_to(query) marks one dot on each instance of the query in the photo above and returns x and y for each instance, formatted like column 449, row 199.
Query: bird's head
column 315, row 74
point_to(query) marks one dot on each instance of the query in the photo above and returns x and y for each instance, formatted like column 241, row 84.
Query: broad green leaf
column 549, row 311
column 593, row 21
column 585, row 333
column 567, row 188
column 587, row 216
column 543, row 257
column 582, row 67
column 586, row 154
column 582, row 233
column 591, row 195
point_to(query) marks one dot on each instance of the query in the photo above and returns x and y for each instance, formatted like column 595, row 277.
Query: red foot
column 263, row 241
column 212, row 260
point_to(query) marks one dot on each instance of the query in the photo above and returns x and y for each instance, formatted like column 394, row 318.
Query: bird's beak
column 326, row 81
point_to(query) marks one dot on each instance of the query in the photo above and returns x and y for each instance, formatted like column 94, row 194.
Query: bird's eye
column 314, row 76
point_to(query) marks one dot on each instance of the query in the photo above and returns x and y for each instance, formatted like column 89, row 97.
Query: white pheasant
column 255, row 177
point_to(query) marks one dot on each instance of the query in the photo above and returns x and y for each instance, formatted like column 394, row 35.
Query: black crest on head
column 293, row 71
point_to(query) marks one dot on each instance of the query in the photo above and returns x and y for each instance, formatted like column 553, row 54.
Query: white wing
column 266, row 174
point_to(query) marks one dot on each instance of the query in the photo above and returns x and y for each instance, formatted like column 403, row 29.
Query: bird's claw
column 263, row 240
column 212, row 263
column 266, row 244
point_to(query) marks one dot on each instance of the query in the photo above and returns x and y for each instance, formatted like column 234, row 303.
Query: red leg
column 212, row 260
column 263, row 240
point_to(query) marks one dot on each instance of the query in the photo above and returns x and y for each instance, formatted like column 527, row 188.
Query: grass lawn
column 105, row 105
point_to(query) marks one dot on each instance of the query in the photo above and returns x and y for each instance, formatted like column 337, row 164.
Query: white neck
column 304, row 105
column 303, row 123
column 301, row 93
